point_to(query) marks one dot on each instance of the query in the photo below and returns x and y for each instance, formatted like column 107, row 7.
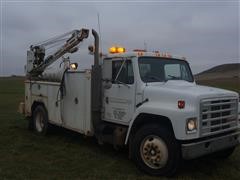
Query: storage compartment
column 76, row 104
column 74, row 110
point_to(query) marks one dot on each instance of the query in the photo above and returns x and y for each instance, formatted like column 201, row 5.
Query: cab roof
column 140, row 54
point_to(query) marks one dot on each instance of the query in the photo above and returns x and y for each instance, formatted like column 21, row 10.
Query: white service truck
column 147, row 101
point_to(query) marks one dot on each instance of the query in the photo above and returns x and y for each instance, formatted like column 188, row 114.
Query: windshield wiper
column 173, row 77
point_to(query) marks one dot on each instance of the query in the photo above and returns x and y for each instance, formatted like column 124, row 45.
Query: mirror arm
column 119, row 82
column 120, row 69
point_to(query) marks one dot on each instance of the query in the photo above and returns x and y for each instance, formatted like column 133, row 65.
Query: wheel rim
column 154, row 152
column 39, row 122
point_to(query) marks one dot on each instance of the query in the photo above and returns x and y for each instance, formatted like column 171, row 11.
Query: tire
column 156, row 151
column 224, row 153
column 40, row 120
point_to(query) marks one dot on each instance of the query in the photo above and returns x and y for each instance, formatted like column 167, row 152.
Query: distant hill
column 221, row 71
column 226, row 76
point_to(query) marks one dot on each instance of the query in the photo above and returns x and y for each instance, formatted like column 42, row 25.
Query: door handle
column 107, row 100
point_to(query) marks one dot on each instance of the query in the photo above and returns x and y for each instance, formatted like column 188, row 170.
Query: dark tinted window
column 126, row 73
column 154, row 69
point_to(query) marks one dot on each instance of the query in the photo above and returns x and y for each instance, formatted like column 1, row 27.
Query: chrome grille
column 218, row 115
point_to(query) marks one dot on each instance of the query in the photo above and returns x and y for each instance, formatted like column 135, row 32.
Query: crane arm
column 70, row 46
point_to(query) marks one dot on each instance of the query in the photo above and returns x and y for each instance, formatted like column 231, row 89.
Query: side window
column 185, row 73
column 126, row 75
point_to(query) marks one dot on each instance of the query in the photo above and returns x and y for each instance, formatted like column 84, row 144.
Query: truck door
column 119, row 99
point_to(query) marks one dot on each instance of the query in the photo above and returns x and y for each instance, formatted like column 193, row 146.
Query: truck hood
column 178, row 89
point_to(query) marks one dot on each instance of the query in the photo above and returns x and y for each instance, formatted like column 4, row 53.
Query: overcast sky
column 205, row 32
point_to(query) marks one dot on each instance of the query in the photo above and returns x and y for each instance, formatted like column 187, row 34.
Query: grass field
column 67, row 155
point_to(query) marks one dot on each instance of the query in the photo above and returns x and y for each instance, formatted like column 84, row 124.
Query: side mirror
column 107, row 83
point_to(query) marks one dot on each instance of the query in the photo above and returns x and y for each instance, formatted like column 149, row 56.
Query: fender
column 176, row 116
column 38, row 102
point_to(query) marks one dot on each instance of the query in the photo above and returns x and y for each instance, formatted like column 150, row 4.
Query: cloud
column 206, row 33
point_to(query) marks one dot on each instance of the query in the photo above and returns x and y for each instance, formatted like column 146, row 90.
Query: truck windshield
column 155, row 69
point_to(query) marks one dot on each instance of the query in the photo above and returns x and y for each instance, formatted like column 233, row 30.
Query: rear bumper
column 196, row 149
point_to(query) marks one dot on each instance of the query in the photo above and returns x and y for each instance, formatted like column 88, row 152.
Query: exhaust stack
column 96, row 84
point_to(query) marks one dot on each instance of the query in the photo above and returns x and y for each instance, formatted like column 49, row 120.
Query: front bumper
column 203, row 147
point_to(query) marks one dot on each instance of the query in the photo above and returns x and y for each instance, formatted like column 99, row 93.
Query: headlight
column 191, row 125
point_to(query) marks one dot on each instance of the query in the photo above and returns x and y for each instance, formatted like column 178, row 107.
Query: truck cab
column 149, row 91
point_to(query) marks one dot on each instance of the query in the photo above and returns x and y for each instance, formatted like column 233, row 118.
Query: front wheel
column 156, row 151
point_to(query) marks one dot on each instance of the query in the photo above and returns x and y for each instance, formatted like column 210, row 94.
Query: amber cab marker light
column 120, row 49
column 116, row 49
column 112, row 49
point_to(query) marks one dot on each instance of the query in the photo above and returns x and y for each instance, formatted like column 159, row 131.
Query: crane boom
column 36, row 55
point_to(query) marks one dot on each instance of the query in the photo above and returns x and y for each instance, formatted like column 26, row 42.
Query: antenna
column 145, row 45
column 99, row 30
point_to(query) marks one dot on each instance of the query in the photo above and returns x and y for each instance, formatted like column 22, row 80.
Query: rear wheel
column 155, row 150
column 40, row 120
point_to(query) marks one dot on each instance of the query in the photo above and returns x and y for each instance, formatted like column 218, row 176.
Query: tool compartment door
column 77, row 102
